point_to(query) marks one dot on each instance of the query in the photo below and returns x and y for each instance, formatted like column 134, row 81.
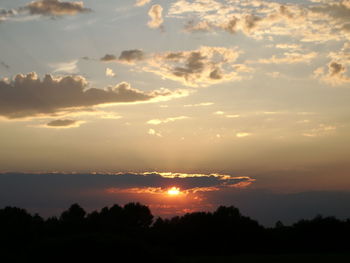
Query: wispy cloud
column 243, row 134
column 153, row 132
column 70, row 67
column 171, row 119
column 202, row 104
column 288, row 58
column 142, row 2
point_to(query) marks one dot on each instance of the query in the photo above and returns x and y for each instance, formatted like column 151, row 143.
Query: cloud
column 195, row 68
column 229, row 116
column 131, row 56
column 274, row 74
column 288, row 58
column 232, row 116
column 70, row 67
column 4, row 14
column 288, row 46
column 51, row 8
column 336, row 69
column 63, row 123
column 108, row 57
column 110, row 72
column 96, row 190
column 200, row 104
column 243, row 134
column 142, row 2
column 251, row 18
column 338, row 10
column 320, row 130
column 6, row 66
column 153, row 132
column 335, row 76
column 162, row 180
column 126, row 56
column 335, row 73
column 202, row 67
column 312, row 22
column 55, row 8
column 27, row 95
column 172, row 119
column 155, row 13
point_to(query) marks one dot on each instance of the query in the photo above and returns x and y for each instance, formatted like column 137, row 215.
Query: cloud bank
column 319, row 21
column 51, row 193
column 28, row 95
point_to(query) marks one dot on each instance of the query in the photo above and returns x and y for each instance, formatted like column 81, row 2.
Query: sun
column 174, row 191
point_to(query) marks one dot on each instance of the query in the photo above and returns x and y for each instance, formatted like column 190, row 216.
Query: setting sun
column 174, row 191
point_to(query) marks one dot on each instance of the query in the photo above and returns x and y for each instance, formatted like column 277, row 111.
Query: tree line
column 132, row 231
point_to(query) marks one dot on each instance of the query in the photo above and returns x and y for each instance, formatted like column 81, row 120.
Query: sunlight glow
column 174, row 191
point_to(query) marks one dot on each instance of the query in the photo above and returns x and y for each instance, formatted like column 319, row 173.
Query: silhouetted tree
column 73, row 219
column 128, row 231
column 135, row 215
column 74, row 214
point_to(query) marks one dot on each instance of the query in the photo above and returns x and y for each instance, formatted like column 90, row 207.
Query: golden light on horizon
column 173, row 191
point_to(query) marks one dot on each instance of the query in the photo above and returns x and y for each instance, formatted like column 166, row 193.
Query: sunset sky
column 224, row 99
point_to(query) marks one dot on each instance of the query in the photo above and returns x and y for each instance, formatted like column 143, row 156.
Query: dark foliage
column 131, row 232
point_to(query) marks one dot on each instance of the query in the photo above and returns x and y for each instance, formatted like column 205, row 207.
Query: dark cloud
column 58, row 181
column 28, row 95
column 108, row 57
column 250, row 22
column 131, row 56
column 339, row 10
column 50, row 193
column 55, row 190
column 335, row 69
column 55, row 8
column 4, row 65
column 346, row 27
column 126, row 56
column 215, row 74
column 175, row 56
column 202, row 67
column 231, row 25
column 4, row 14
column 62, row 123
column 194, row 64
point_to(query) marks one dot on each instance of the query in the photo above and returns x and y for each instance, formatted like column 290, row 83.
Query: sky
column 247, row 100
